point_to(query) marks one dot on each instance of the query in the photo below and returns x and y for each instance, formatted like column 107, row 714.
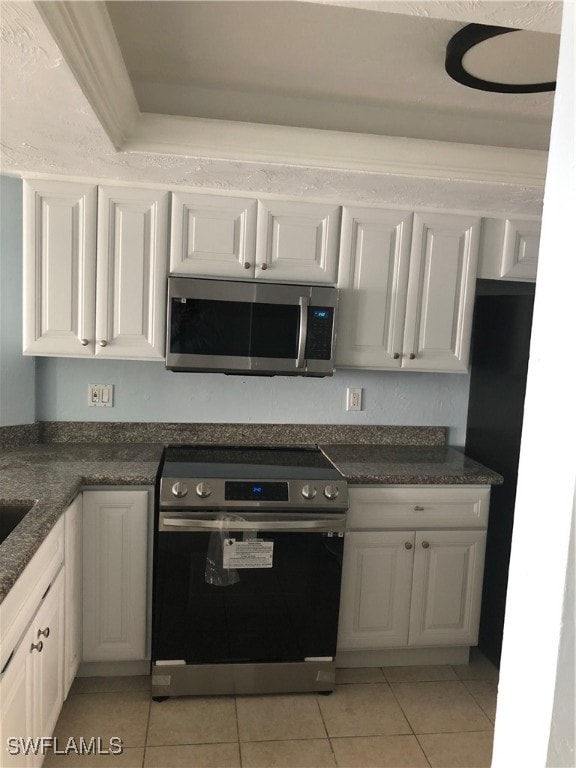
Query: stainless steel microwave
column 250, row 328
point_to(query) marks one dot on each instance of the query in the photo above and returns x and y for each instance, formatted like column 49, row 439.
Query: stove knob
column 308, row 491
column 179, row 490
column 331, row 492
column 203, row 490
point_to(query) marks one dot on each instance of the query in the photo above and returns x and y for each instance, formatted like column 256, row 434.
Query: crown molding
column 308, row 147
column 84, row 33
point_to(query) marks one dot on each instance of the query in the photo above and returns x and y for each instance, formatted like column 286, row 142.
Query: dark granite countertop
column 48, row 476
column 407, row 465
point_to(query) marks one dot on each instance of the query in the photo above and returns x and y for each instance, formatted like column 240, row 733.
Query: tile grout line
column 238, row 730
column 147, row 730
column 324, row 724
column 402, row 710
column 423, row 750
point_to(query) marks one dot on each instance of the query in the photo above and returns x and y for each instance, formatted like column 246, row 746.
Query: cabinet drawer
column 422, row 507
column 21, row 602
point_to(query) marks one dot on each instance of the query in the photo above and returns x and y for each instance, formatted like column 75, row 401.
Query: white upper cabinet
column 212, row 236
column 373, row 280
column 59, row 268
column 95, row 266
column 239, row 238
column 132, row 263
column 441, row 286
column 407, row 290
column 297, row 242
column 509, row 249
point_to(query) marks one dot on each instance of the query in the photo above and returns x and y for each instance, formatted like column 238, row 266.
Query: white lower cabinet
column 31, row 689
column 414, row 587
column 115, row 575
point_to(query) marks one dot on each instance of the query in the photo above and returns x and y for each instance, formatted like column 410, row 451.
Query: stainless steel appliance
column 250, row 328
column 247, row 571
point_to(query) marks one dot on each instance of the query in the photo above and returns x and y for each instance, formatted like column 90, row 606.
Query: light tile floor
column 391, row 717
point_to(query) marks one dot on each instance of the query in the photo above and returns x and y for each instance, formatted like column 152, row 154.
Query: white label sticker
column 255, row 553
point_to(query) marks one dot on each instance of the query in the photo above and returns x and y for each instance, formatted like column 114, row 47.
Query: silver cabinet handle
column 408, row 545
column 37, row 647
column 418, row 508
column 264, row 266
column 425, row 544
column 44, row 632
column 303, row 332
column 396, row 355
column 247, row 265
column 84, row 342
column 103, row 343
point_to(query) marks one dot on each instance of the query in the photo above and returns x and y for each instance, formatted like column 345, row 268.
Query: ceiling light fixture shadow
column 465, row 40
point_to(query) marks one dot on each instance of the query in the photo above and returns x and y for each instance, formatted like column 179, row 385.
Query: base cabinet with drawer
column 32, row 672
column 413, row 568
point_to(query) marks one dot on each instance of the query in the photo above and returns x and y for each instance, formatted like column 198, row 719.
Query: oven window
column 283, row 613
column 234, row 329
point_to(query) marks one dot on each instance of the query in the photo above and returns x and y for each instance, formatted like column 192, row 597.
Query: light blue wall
column 145, row 391
column 17, row 405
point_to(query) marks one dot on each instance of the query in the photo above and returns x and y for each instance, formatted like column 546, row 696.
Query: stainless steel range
column 248, row 561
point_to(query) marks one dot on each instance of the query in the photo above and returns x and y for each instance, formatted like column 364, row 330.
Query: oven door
column 282, row 607
column 234, row 327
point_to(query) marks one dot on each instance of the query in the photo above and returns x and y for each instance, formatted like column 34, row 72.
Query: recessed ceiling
column 316, row 66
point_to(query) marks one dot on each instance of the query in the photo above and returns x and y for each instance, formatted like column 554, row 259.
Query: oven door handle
column 335, row 524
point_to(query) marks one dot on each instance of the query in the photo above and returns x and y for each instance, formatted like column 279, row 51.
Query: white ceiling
column 318, row 66
column 68, row 109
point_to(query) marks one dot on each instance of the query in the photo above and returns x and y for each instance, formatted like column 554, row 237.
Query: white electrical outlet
column 101, row 395
column 354, row 399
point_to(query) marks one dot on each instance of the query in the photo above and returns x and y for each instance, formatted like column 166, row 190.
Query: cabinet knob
column 412, row 356
column 247, row 265
column 37, row 647
column 263, row 266
column 84, row 342
column 396, row 355
column 425, row 544
column 418, row 508
column 44, row 632
column 408, row 545
column 103, row 343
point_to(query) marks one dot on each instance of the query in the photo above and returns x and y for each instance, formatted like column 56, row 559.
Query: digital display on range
column 242, row 491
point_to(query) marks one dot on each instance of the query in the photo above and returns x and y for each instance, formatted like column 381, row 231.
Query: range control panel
column 218, row 493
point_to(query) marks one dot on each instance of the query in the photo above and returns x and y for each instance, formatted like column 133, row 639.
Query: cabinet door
column 376, row 585
column 213, row 236
column 48, row 671
column 520, row 252
column 509, row 249
column 72, row 591
column 297, row 242
column 17, row 704
column 441, row 287
column 373, row 279
column 59, row 268
column 447, row 587
column 132, row 265
column 115, row 567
